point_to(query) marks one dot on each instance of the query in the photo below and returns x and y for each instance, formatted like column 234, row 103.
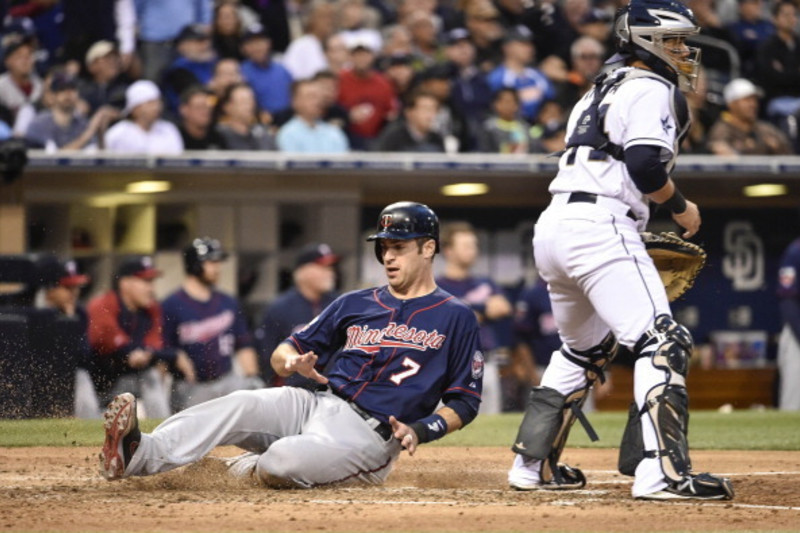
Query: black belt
column 591, row 198
column 382, row 429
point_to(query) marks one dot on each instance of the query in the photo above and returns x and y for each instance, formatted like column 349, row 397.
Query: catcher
column 622, row 142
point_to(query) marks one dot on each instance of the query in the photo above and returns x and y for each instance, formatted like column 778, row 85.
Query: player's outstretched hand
column 689, row 220
column 304, row 365
column 407, row 437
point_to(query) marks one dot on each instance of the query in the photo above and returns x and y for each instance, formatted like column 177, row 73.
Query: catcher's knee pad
column 668, row 345
column 549, row 415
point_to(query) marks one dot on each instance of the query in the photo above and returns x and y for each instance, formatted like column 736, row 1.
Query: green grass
column 740, row 430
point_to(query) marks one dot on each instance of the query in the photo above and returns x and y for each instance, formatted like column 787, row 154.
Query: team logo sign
column 477, row 365
column 386, row 221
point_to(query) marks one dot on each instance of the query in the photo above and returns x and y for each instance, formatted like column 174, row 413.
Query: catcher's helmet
column 405, row 220
column 641, row 28
column 202, row 249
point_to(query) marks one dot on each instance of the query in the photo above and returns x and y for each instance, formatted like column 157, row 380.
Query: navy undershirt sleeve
column 645, row 167
column 790, row 309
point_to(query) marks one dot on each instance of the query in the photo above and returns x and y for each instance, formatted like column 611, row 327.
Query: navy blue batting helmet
column 202, row 249
column 405, row 220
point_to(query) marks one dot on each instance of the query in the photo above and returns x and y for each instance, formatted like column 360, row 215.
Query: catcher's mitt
column 678, row 261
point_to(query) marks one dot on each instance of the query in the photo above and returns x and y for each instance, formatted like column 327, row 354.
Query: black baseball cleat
column 695, row 487
column 567, row 478
column 122, row 436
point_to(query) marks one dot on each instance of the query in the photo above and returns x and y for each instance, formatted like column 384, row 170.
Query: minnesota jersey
column 209, row 332
column 398, row 357
column 642, row 110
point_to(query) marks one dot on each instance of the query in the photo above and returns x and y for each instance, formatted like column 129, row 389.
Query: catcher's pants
column 309, row 438
column 789, row 366
column 600, row 278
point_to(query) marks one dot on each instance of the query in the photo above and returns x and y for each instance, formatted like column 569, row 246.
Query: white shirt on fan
column 127, row 137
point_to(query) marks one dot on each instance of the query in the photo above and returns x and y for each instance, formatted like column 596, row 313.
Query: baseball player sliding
column 402, row 349
column 622, row 141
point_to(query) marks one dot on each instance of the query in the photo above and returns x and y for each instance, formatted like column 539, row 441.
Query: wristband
column 676, row 203
column 429, row 428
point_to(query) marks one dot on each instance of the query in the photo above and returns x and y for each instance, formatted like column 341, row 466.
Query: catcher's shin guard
column 668, row 345
column 549, row 416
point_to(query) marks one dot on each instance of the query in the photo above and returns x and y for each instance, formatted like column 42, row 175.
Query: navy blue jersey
column 393, row 350
column 475, row 291
column 534, row 323
column 289, row 313
column 209, row 332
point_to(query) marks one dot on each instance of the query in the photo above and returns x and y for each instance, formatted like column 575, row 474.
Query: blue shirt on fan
column 209, row 332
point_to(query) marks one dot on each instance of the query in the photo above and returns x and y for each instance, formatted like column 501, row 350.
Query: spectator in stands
column 270, row 81
column 62, row 126
column 62, row 284
column 226, row 73
column 194, row 63
column 209, row 326
column 106, row 83
column 366, row 94
column 86, row 22
column 450, row 124
column 748, row 33
column 396, row 41
column 238, row 121
column 307, row 132
column 587, row 55
column 471, row 95
column 486, row 33
column 313, row 289
column 19, row 85
column 227, row 31
column 143, row 131
column 414, row 132
column 739, row 131
column 517, row 73
column 196, row 126
column 126, row 339
column 305, row 55
column 337, row 54
column 358, row 22
column 398, row 70
column 505, row 132
column 274, row 18
column 160, row 22
column 424, row 38
column 703, row 112
column 779, row 63
column 333, row 113
column 459, row 244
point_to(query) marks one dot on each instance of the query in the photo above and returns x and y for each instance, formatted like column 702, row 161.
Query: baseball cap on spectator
column 358, row 40
column 63, row 81
column 138, row 93
column 740, row 88
column 55, row 273
column 193, row 32
column 98, row 50
column 140, row 267
column 320, row 254
column 256, row 31
column 14, row 41
column 456, row 35
column 518, row 33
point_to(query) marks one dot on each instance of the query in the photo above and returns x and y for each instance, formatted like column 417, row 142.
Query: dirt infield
column 440, row 489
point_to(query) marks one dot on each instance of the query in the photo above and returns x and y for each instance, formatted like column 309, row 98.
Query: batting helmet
column 641, row 28
column 201, row 250
column 405, row 220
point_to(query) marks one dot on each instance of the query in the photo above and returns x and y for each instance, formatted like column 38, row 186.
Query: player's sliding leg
column 249, row 419
column 654, row 446
column 552, row 409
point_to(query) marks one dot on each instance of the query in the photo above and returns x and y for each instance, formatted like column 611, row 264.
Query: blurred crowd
column 333, row 76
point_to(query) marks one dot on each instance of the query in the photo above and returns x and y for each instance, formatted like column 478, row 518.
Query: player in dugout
column 401, row 349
